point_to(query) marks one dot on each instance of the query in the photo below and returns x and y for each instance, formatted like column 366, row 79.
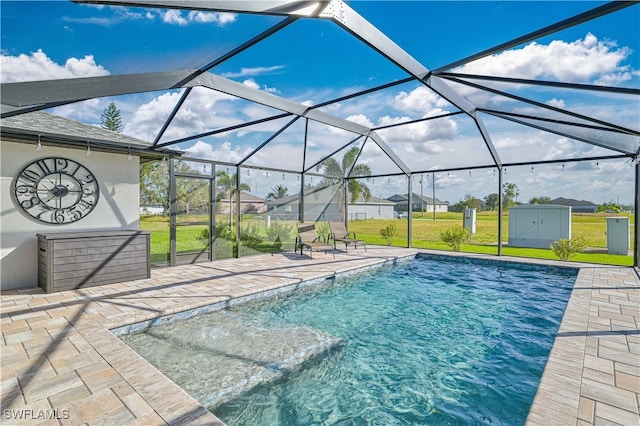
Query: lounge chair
column 308, row 238
column 339, row 233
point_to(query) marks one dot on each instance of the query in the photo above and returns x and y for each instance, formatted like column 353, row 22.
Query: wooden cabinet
column 68, row 261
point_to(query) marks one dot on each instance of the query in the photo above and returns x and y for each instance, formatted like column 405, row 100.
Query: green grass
column 426, row 234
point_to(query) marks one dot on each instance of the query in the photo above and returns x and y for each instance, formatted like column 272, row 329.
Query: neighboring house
column 249, row 203
column 373, row 208
column 577, row 206
column 418, row 203
column 323, row 205
column 154, row 209
column 318, row 205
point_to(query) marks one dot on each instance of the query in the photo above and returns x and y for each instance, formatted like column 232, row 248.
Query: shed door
column 526, row 224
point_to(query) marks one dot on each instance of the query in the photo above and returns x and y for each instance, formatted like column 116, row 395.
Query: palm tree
column 337, row 172
column 278, row 191
column 227, row 182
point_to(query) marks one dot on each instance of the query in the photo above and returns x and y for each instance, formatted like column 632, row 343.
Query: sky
column 312, row 61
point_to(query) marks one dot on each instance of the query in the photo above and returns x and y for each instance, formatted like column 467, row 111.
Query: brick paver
column 61, row 365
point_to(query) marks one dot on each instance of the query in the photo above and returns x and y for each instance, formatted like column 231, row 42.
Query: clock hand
column 48, row 199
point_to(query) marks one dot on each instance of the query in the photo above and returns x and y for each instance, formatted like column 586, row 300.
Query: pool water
column 433, row 341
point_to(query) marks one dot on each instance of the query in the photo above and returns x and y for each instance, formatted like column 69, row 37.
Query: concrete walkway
column 60, row 364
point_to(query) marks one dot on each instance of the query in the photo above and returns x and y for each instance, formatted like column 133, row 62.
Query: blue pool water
column 431, row 342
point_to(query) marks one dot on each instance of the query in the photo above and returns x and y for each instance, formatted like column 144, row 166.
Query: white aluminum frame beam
column 270, row 7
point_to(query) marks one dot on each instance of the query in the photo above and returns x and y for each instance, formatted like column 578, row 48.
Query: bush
column 278, row 229
column 250, row 236
column 454, row 237
column 388, row 232
column 222, row 231
column 566, row 248
column 323, row 230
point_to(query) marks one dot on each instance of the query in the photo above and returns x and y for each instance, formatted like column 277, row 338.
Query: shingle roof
column 60, row 128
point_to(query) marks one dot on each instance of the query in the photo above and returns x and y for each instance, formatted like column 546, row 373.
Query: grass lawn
column 426, row 234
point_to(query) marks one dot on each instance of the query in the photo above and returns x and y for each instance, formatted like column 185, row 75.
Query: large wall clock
column 56, row 190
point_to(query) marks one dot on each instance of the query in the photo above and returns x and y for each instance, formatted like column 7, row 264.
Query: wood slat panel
column 131, row 269
column 79, row 260
column 113, row 242
column 139, row 260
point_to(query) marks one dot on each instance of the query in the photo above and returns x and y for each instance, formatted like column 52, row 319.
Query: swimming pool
column 434, row 341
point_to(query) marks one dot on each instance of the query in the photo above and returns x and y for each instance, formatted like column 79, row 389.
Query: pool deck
column 60, row 364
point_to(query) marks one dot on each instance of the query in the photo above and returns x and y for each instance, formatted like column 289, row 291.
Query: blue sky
column 314, row 60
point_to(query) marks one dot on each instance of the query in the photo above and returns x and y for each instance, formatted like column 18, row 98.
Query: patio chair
column 340, row 233
column 308, row 238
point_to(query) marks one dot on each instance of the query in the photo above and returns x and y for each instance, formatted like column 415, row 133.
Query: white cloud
column 420, row 99
column 254, row 71
column 120, row 14
column 38, row 66
column 147, row 120
column 221, row 19
column 224, row 151
column 360, row 119
column 174, row 17
column 254, row 85
column 422, row 132
column 85, row 111
column 587, row 60
column 558, row 103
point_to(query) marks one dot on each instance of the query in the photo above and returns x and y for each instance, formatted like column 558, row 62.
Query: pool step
column 219, row 356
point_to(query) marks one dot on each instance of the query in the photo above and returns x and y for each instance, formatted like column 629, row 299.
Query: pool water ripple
column 429, row 342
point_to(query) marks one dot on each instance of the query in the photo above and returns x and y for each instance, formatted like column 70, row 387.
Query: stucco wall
column 117, row 209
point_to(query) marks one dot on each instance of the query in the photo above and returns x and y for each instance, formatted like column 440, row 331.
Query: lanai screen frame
column 19, row 98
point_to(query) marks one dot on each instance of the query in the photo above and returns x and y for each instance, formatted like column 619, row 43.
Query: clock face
column 56, row 190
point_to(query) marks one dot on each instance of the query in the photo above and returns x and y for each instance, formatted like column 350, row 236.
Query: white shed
column 538, row 225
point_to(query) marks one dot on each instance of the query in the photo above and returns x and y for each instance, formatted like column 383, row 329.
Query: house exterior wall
column 118, row 206
column 370, row 211
column 440, row 208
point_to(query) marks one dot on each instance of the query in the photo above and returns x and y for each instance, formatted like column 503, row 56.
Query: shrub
column 222, row 231
column 566, row 248
column 278, row 229
column 250, row 236
column 454, row 237
column 323, row 230
column 389, row 232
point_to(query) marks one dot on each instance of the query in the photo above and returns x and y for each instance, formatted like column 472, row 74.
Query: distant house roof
column 373, row 200
column 416, row 198
column 294, row 198
column 571, row 202
column 54, row 130
column 245, row 197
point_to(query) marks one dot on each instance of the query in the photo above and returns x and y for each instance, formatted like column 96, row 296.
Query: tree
column 191, row 193
column 227, row 183
column 509, row 195
column 154, row 184
column 154, row 187
column 539, row 200
column 491, row 201
column 278, row 191
column 337, row 172
column 110, row 118
column 610, row 206
column 469, row 201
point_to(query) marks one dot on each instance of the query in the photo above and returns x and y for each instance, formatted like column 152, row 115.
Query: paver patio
column 60, row 364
